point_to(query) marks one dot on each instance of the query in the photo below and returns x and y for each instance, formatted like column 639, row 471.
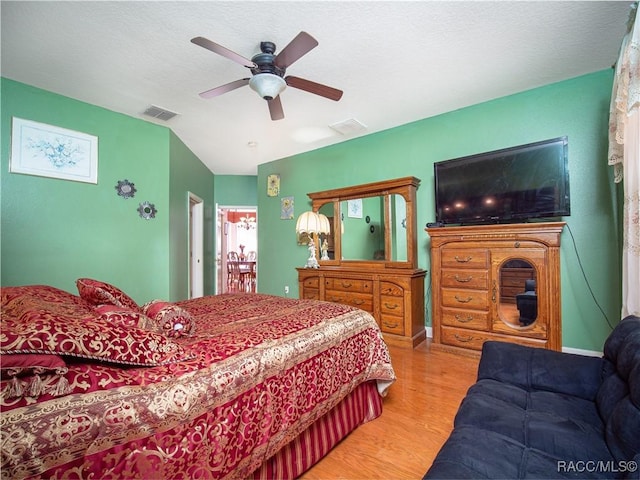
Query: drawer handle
column 391, row 325
column 462, row 339
column 357, row 301
column 463, row 319
column 346, row 284
column 462, row 260
column 463, row 300
column 391, row 306
column 463, row 280
column 333, row 299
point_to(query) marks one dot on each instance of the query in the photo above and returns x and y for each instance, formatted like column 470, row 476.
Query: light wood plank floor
column 417, row 418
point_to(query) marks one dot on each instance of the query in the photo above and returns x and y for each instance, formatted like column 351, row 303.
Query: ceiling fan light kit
column 268, row 71
column 267, row 85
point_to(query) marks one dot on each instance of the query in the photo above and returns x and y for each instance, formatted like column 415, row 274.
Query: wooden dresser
column 374, row 265
column 395, row 298
column 477, row 272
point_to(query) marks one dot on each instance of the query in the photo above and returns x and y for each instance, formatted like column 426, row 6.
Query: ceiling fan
column 268, row 70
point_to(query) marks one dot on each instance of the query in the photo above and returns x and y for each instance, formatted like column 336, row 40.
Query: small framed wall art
column 354, row 208
column 50, row 151
column 286, row 208
column 273, row 185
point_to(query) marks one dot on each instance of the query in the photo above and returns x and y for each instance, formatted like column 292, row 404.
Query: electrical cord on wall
column 584, row 275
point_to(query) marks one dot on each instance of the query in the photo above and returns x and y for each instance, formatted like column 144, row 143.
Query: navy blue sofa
column 537, row 413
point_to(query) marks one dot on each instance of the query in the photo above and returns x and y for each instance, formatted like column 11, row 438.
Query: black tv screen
column 504, row 186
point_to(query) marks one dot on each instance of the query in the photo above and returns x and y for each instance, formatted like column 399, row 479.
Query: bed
column 226, row 386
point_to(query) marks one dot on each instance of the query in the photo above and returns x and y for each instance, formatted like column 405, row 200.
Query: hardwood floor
column 417, row 418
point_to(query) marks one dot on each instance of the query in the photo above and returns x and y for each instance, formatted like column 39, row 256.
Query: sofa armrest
column 539, row 369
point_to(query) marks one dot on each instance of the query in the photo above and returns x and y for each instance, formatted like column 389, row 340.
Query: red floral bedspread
column 264, row 368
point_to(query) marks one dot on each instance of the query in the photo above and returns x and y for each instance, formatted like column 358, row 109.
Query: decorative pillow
column 126, row 317
column 41, row 331
column 17, row 300
column 98, row 293
column 32, row 375
column 173, row 320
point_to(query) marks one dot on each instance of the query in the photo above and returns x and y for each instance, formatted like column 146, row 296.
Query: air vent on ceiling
column 159, row 113
column 348, row 127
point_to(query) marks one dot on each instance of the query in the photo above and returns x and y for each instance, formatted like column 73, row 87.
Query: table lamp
column 310, row 223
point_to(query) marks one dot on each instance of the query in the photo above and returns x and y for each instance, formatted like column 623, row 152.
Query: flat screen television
column 511, row 185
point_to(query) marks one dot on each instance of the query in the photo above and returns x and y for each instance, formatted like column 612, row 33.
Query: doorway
column 237, row 249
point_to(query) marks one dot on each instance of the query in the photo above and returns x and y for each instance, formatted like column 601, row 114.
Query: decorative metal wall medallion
column 125, row 188
column 147, row 210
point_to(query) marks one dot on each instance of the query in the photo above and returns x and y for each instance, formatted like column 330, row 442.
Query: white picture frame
column 49, row 151
column 354, row 208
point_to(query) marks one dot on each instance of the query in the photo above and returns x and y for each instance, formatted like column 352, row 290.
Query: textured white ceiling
column 396, row 61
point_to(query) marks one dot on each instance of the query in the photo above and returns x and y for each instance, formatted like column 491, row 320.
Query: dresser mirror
column 371, row 224
column 518, row 306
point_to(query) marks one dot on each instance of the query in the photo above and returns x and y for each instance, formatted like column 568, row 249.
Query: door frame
column 221, row 242
column 196, row 246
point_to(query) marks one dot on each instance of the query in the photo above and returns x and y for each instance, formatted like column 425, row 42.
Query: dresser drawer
column 360, row 300
column 475, row 319
column 311, row 294
column 391, row 324
column 391, row 305
column 469, row 278
column 348, row 285
column 460, row 337
column 473, row 339
column 311, row 282
column 465, row 258
column 388, row 288
column 461, row 298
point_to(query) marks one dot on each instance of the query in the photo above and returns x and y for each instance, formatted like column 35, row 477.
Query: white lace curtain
column 624, row 155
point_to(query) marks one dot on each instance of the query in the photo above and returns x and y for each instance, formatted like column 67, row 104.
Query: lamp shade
column 267, row 85
column 325, row 226
column 308, row 222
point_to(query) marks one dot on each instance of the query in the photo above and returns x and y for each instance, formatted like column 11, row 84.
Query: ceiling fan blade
column 225, row 52
column 214, row 92
column 313, row 87
column 302, row 44
column 275, row 108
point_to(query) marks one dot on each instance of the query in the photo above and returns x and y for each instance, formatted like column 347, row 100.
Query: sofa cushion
column 560, row 425
column 539, row 369
column 471, row 453
column 623, row 424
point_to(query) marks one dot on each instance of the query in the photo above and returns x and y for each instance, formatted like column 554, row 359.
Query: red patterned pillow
column 173, row 320
column 41, row 331
column 98, row 293
column 32, row 375
column 126, row 317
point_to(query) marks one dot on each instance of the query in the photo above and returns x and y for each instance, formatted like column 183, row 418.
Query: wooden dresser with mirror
column 372, row 261
column 496, row 282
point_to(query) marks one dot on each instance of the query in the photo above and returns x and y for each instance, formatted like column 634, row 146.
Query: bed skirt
column 360, row 406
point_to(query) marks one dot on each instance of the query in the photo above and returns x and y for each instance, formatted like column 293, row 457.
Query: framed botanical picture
column 286, row 208
column 354, row 208
column 273, row 185
column 49, row 151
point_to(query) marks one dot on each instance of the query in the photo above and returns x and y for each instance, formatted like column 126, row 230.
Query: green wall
column 577, row 108
column 187, row 174
column 236, row 190
column 55, row 231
